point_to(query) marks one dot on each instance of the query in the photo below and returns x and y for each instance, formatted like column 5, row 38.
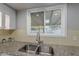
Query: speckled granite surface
column 11, row 49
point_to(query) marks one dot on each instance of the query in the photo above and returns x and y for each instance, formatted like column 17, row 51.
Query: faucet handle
column 40, row 42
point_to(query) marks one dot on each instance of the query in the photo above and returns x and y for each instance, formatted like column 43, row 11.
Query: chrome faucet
column 38, row 38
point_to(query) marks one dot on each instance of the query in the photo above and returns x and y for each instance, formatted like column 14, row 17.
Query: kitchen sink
column 30, row 49
column 36, row 49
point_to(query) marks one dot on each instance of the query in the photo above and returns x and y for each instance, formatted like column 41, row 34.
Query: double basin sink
column 37, row 49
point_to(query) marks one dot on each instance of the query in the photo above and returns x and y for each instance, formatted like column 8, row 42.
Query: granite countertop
column 11, row 48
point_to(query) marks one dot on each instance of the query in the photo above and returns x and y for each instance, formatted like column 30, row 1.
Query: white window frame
column 63, row 8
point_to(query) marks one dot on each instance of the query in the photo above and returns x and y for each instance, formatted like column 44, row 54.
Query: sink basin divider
column 28, row 51
column 28, row 48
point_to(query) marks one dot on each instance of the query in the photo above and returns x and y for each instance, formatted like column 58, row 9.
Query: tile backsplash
column 5, row 34
column 72, row 38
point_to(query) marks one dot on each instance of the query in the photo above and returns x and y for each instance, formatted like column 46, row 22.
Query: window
column 37, row 21
column 48, row 21
column 0, row 19
column 52, row 21
column 7, row 21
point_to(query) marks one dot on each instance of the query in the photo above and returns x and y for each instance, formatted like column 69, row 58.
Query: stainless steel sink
column 37, row 49
column 30, row 49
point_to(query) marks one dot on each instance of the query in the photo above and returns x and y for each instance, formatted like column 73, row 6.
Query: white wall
column 73, row 16
column 21, row 19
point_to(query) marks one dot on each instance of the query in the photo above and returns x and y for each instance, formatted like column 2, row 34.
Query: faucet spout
column 38, row 38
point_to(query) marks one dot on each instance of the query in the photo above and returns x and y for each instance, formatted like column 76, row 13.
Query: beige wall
column 73, row 30
column 20, row 35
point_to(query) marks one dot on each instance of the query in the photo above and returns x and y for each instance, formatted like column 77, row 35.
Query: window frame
column 63, row 8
